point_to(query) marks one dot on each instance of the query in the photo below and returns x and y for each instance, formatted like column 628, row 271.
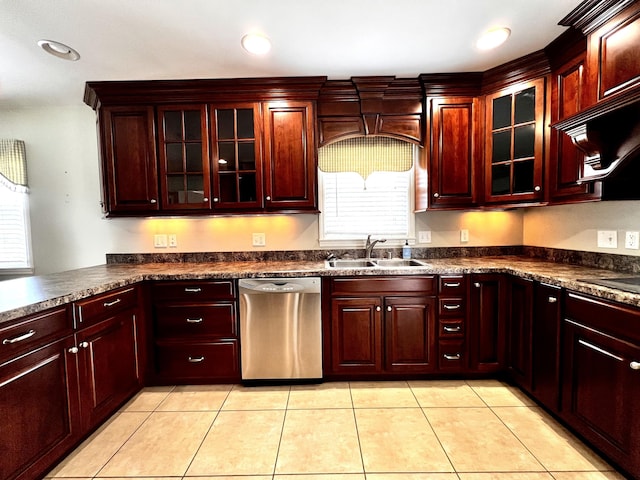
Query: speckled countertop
column 23, row 296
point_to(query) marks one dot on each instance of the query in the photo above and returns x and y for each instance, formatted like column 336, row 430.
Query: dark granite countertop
column 24, row 296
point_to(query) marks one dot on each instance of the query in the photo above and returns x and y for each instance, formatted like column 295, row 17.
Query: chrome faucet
column 368, row 247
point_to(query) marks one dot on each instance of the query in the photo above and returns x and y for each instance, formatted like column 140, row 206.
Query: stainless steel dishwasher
column 280, row 328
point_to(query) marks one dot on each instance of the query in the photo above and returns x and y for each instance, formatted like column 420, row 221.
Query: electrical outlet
column 424, row 236
column 632, row 240
column 173, row 240
column 607, row 239
column 259, row 240
column 464, row 235
column 160, row 240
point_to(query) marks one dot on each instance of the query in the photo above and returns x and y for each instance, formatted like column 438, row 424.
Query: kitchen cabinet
column 487, row 322
column 380, row 325
column 519, row 331
column 129, row 161
column 195, row 332
column 453, row 355
column 601, row 376
column 514, row 148
column 38, row 394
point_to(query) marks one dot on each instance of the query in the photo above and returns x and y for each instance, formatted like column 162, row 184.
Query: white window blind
column 15, row 251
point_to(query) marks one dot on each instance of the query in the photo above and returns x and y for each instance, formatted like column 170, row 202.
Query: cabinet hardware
column 452, row 307
column 452, row 285
column 153, row 200
column 600, row 350
column 553, row 299
column 194, row 320
column 451, row 357
column 476, row 284
column 192, row 290
column 268, row 198
column 378, row 308
column 216, row 199
column 196, row 359
column 436, row 195
column 389, row 309
column 537, row 188
column 111, row 304
column 84, row 344
column 635, row 365
column 19, row 338
column 73, row 350
column 205, row 199
column 447, row 328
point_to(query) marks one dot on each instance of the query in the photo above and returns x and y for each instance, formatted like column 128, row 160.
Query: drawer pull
column 447, row 328
column 451, row 357
column 84, row 344
column 553, row 299
column 452, row 307
column 452, row 285
column 600, row 350
column 192, row 290
column 194, row 320
column 196, row 359
column 634, row 365
column 111, row 304
column 73, row 350
column 19, row 338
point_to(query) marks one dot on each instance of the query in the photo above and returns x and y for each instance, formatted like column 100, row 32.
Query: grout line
column 355, row 422
column 284, row 420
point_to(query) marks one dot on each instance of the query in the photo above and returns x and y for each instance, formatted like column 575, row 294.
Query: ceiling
column 178, row 39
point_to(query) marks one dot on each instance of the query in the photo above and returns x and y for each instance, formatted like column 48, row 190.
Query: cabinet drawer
column 451, row 307
column 451, row 328
column 452, row 355
column 198, row 361
column 34, row 331
column 194, row 291
column 452, row 285
column 179, row 320
column 99, row 307
column 424, row 284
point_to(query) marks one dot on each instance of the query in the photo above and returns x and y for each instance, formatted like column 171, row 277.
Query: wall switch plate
column 160, row 240
column 632, row 240
column 259, row 240
column 173, row 240
column 424, row 236
column 607, row 239
column 464, row 235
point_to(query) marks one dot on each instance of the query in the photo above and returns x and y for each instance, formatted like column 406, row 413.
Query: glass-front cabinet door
column 514, row 145
column 236, row 156
column 184, row 157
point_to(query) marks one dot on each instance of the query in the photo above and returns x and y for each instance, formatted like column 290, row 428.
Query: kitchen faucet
column 368, row 248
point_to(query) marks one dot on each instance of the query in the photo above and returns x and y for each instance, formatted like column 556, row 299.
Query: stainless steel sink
column 399, row 262
column 350, row 263
column 374, row 263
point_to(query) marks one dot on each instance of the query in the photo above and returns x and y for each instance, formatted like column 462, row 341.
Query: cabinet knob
column 378, row 308
column 635, row 365
column 205, row 199
column 216, row 199
column 268, row 198
column 553, row 299
column 536, row 188
column 389, row 308
column 436, row 195
column 476, row 284
column 84, row 344
column 73, row 350
column 153, row 200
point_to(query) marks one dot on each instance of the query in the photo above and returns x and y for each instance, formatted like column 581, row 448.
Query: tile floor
column 416, row 430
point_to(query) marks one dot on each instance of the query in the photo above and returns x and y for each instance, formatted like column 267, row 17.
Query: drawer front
column 92, row 310
column 34, row 331
column 196, row 291
column 178, row 320
column 452, row 328
column 411, row 285
column 451, row 307
column 452, row 285
column 452, row 355
column 198, row 361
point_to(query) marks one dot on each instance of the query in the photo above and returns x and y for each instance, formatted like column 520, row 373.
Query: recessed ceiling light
column 59, row 50
column 256, row 43
column 493, row 38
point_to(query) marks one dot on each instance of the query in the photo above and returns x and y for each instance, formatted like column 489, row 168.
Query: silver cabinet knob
column 553, row 299
column 476, row 284
column 635, row 365
column 268, row 198
column 536, row 188
column 84, row 344
column 73, row 350
column 436, row 195
column 389, row 309
column 378, row 308
column 153, row 200
column 205, row 199
column 216, row 199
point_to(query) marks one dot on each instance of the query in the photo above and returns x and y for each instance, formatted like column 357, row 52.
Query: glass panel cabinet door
column 184, row 157
column 515, row 143
column 236, row 156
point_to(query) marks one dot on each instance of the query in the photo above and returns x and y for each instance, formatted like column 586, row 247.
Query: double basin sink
column 375, row 263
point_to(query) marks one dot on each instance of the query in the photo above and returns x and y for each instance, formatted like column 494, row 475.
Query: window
column 352, row 207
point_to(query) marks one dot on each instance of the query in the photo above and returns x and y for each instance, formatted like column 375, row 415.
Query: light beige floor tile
column 163, row 446
column 257, row 398
column 325, row 395
column 412, row 476
column 195, row 398
column 148, row 399
column 95, row 452
column 319, row 441
column 499, row 394
column 382, row 395
column 477, row 441
column 587, row 476
column 445, row 393
column 399, row 440
column 506, row 476
column 551, row 444
column 240, row 443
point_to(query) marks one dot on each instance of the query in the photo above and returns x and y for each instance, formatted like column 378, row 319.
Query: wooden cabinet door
column 487, row 322
column 290, row 156
column 519, row 347
column 545, row 385
column 514, row 148
column 410, row 334
column 129, row 161
column 455, row 152
column 356, row 335
column 183, row 141
column 39, row 405
column 108, row 366
column 600, row 392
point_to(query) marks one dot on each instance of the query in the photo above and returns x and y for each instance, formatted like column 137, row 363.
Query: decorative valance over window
column 365, row 155
column 13, row 161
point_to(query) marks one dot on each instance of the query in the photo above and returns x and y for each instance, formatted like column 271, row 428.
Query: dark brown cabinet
column 519, row 334
column 453, row 354
column 601, row 376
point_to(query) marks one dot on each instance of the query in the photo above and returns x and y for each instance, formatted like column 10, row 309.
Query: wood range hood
column 608, row 129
